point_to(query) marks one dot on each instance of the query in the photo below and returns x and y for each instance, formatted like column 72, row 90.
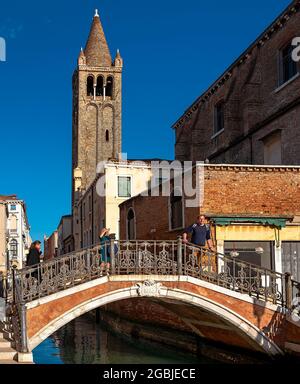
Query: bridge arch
column 257, row 338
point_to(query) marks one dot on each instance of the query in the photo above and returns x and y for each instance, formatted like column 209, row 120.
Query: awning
column 270, row 221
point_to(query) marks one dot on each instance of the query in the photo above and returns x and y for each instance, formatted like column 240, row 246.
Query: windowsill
column 217, row 134
column 124, row 197
column 287, row 83
column 176, row 229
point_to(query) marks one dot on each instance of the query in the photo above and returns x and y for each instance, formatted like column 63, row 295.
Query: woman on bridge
column 105, row 250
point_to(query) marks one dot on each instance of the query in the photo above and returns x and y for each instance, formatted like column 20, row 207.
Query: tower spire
column 97, row 51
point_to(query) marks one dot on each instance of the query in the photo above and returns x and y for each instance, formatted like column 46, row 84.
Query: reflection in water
column 85, row 342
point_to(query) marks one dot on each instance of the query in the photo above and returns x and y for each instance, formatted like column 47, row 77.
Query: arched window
column 13, row 224
column 107, row 135
column 109, row 86
column 176, row 210
column 131, row 224
column 90, row 86
column 99, row 88
column 13, row 248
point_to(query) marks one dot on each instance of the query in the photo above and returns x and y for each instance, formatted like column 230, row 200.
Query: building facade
column 97, row 106
column 64, row 235
column 250, row 114
column 51, row 246
column 17, row 240
column 253, row 211
column 120, row 180
column 3, row 236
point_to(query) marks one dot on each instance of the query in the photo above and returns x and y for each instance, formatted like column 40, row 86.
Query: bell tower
column 97, row 107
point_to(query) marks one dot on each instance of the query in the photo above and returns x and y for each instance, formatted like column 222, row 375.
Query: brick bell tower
column 97, row 108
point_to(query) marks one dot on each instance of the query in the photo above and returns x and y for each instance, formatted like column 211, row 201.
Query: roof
column 274, row 27
column 96, row 51
column 8, row 197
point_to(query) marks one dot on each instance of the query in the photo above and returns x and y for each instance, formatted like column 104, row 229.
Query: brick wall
column 228, row 191
column 255, row 107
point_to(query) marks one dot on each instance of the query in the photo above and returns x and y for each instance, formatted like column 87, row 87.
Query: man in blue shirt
column 200, row 232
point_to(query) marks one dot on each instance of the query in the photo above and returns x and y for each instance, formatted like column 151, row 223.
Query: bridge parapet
column 145, row 258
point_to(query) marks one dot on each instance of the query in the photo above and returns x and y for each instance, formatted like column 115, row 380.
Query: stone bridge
column 217, row 297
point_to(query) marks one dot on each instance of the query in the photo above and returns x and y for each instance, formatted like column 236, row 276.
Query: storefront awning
column 271, row 221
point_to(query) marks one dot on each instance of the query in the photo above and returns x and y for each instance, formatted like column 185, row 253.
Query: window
column 255, row 252
column 13, row 207
column 219, row 117
column 272, row 149
column 83, row 213
column 291, row 259
column 124, row 186
column 107, row 135
column 13, row 224
column 109, row 86
column 90, row 204
column 13, row 249
column 131, row 225
column 176, row 211
column 90, row 86
column 288, row 67
column 99, row 87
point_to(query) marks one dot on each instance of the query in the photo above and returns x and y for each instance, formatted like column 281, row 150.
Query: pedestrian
column 34, row 257
column 200, row 232
column 105, row 249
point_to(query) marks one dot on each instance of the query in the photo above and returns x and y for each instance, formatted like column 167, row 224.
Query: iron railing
column 147, row 258
column 153, row 258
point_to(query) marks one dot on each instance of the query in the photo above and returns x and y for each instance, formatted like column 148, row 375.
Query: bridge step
column 7, row 353
column 4, row 343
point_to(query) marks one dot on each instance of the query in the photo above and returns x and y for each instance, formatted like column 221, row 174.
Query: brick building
column 254, row 211
column 251, row 113
column 64, row 235
column 50, row 246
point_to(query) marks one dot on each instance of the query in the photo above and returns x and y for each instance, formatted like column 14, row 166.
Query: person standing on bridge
column 34, row 255
column 200, row 232
column 105, row 249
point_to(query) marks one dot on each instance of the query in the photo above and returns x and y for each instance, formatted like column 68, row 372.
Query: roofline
column 255, row 166
column 241, row 59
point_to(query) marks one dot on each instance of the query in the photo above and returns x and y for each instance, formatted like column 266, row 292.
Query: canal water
column 84, row 342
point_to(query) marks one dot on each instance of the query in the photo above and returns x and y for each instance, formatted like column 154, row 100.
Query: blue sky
column 172, row 51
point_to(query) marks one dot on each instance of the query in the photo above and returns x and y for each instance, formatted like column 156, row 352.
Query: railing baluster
column 179, row 256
